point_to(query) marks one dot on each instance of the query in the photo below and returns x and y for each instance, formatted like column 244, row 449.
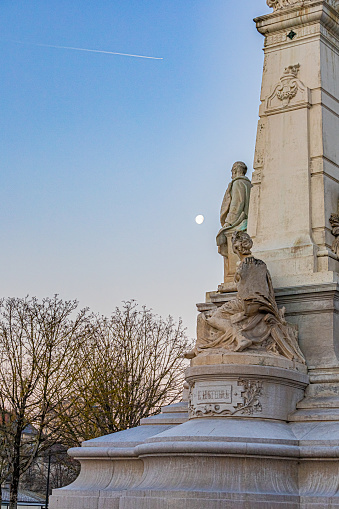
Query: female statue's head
column 241, row 244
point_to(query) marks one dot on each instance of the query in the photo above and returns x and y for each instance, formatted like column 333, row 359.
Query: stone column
column 296, row 177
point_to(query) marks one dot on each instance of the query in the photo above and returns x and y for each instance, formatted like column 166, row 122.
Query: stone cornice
column 299, row 14
column 278, row 5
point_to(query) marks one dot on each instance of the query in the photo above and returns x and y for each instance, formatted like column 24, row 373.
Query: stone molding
column 299, row 17
column 314, row 298
column 277, row 5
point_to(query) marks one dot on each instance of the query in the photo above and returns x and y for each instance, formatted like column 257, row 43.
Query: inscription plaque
column 224, row 398
column 215, row 394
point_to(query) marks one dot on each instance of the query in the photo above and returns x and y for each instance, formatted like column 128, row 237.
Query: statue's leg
column 203, row 336
column 242, row 343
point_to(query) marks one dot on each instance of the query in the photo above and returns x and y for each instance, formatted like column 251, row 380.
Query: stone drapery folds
column 252, row 320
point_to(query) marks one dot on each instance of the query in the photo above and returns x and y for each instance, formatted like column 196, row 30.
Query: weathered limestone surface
column 296, row 178
column 242, row 455
column 109, row 464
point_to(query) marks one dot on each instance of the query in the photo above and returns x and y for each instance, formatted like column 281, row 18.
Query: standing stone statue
column 233, row 215
column 334, row 222
column 252, row 320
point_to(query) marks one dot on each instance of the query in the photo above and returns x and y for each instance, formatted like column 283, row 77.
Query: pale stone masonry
column 296, row 178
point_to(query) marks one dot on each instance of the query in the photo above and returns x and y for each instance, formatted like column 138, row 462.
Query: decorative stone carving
column 252, row 320
column 280, row 4
column 252, row 391
column 259, row 154
column 210, row 399
column 334, row 222
column 287, row 89
column 283, row 4
column 289, row 86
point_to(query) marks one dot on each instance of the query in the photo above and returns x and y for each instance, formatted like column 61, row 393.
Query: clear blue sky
column 106, row 160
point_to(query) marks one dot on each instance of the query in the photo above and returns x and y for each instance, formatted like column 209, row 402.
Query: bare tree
column 40, row 344
column 133, row 365
column 66, row 376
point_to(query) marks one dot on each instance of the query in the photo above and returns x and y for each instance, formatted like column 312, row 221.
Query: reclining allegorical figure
column 252, row 320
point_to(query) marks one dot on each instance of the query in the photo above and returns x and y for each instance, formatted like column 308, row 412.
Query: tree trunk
column 15, row 478
column 14, row 488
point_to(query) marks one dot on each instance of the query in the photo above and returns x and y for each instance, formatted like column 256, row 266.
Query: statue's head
column 241, row 244
column 239, row 169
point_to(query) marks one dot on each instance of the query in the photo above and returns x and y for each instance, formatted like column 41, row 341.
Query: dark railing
column 34, row 505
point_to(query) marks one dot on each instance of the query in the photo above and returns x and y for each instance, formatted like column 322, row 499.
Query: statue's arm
column 223, row 212
column 225, row 206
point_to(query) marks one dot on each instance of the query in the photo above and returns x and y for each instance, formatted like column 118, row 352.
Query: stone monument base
column 236, row 450
column 240, row 448
column 109, row 465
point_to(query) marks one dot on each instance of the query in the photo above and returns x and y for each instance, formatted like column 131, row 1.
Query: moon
column 199, row 219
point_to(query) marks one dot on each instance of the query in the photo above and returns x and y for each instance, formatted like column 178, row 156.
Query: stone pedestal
column 315, row 311
column 229, row 453
column 244, row 390
column 248, row 456
column 230, row 266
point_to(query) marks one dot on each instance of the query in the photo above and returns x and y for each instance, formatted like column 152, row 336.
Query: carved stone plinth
column 244, row 390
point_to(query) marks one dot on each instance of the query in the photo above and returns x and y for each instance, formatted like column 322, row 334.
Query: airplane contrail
column 89, row 50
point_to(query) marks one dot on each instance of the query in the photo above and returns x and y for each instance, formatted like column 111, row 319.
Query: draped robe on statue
column 251, row 320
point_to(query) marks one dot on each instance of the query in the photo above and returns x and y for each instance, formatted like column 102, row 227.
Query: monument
column 260, row 428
